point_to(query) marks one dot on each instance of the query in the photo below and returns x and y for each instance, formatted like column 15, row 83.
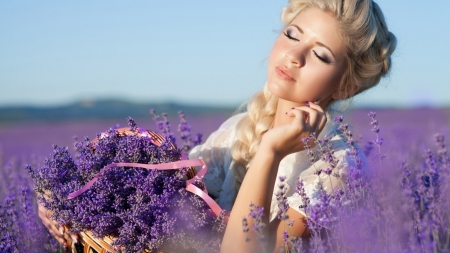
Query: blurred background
column 66, row 66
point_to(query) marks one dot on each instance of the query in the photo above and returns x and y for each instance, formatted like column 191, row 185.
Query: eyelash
column 324, row 60
column 286, row 33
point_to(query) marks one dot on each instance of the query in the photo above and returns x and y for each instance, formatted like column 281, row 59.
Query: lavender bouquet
column 143, row 210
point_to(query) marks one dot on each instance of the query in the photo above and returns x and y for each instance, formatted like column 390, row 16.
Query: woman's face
column 308, row 60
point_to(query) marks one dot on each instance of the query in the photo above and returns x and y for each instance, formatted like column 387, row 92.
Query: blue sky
column 209, row 52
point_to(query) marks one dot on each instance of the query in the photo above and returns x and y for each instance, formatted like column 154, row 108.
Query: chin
column 282, row 92
column 277, row 89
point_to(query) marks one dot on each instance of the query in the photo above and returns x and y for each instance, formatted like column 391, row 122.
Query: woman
column 329, row 50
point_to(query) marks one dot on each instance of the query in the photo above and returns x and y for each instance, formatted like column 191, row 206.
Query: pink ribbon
column 164, row 166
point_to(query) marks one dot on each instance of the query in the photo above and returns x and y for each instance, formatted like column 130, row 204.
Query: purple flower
column 257, row 213
column 338, row 119
column 285, row 237
column 283, row 206
column 131, row 124
column 245, row 229
column 442, row 152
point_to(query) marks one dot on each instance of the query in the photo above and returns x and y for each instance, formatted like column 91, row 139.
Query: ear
column 345, row 92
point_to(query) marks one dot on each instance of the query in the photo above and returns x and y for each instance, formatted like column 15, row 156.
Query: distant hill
column 120, row 109
column 102, row 109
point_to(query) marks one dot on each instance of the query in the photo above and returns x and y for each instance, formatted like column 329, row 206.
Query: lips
column 284, row 73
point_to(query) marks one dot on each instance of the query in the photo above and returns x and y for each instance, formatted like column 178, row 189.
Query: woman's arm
column 257, row 186
column 257, row 190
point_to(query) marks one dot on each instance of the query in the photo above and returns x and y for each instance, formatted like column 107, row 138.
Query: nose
column 296, row 55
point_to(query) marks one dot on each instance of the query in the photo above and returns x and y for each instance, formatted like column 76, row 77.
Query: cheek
column 277, row 51
column 324, row 81
column 330, row 79
column 336, row 80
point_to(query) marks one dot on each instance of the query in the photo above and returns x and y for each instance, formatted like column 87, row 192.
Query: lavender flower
column 245, row 229
column 356, row 183
column 185, row 134
column 442, row 152
column 283, row 206
column 311, row 157
column 257, row 213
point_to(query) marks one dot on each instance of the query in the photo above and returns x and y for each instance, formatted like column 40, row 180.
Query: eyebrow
column 318, row 43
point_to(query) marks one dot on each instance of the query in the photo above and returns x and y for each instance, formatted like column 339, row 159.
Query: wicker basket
column 88, row 243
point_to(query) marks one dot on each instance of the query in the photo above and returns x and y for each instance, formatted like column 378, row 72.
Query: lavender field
column 407, row 135
column 402, row 130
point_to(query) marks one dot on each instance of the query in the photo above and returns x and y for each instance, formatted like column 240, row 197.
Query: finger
column 316, row 106
column 323, row 122
column 299, row 117
column 314, row 116
column 320, row 110
column 303, row 108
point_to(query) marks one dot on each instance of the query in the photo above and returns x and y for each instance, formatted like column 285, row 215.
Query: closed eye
column 288, row 34
column 324, row 59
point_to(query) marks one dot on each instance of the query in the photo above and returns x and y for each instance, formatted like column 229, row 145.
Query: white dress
column 220, row 177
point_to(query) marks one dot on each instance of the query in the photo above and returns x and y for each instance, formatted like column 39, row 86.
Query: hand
column 286, row 139
column 59, row 232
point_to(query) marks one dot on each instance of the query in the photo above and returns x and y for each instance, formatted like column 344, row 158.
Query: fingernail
column 318, row 101
column 61, row 230
column 307, row 104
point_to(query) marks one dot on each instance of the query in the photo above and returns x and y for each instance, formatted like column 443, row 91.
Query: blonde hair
column 369, row 49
